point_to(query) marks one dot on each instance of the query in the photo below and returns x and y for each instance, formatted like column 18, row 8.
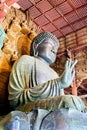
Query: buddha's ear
column 36, row 53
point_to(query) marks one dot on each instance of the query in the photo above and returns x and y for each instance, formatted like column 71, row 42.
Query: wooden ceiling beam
column 71, row 4
column 32, row 1
column 84, row 88
column 83, row 96
column 73, row 50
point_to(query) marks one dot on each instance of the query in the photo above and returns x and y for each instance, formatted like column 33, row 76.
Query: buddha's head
column 45, row 46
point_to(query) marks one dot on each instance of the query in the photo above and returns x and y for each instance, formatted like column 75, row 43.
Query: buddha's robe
column 32, row 80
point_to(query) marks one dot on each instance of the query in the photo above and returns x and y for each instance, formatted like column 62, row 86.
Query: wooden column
column 74, row 86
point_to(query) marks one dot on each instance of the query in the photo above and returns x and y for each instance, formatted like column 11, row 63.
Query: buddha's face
column 48, row 50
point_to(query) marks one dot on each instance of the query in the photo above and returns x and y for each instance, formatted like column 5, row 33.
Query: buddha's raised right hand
column 67, row 77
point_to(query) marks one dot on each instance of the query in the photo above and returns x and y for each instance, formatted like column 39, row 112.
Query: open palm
column 68, row 74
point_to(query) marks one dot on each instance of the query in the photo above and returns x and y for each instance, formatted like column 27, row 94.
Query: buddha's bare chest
column 44, row 74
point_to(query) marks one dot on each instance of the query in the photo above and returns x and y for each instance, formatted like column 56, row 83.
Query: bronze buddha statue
column 32, row 81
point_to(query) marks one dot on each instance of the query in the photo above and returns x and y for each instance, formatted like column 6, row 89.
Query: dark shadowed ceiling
column 60, row 17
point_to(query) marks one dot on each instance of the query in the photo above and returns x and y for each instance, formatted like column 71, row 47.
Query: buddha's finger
column 69, row 63
column 75, row 62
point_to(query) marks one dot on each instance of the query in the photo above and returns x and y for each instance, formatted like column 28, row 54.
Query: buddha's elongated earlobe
column 36, row 53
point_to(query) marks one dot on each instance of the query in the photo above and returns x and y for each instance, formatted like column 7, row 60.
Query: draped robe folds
column 31, row 80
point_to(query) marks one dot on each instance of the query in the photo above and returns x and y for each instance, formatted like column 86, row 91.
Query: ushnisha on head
column 45, row 46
